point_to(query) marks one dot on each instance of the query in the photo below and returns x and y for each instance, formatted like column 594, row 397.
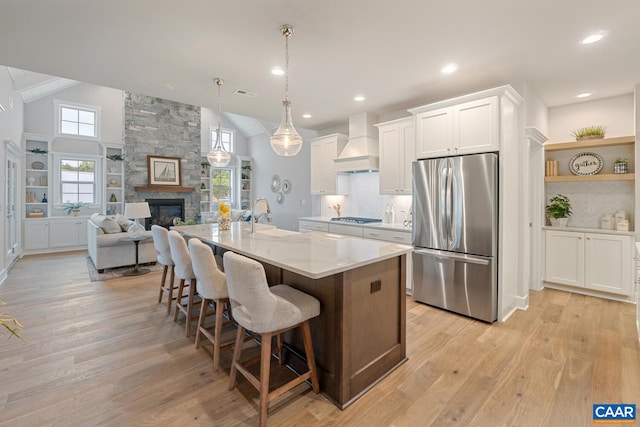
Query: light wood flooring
column 106, row 354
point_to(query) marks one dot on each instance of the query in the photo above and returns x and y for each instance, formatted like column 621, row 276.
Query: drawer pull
column 373, row 234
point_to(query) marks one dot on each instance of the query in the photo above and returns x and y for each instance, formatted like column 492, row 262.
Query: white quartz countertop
column 590, row 230
column 396, row 226
column 314, row 255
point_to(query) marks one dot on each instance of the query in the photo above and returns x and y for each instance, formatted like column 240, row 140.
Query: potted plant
column 73, row 208
column 589, row 132
column 113, row 165
column 559, row 210
column 621, row 165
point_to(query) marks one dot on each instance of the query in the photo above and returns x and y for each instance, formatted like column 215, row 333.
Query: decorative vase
column 224, row 222
column 76, row 212
column 588, row 137
column 559, row 222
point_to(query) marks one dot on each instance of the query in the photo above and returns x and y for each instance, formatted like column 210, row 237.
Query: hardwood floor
column 107, row 354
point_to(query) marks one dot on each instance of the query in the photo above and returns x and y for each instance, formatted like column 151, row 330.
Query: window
column 77, row 178
column 222, row 184
column 78, row 181
column 227, row 139
column 80, row 121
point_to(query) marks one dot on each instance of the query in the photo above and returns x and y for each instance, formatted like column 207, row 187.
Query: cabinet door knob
column 588, row 238
column 579, row 237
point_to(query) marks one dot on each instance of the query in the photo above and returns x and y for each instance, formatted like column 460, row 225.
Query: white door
column 434, row 133
column 608, row 263
column 475, row 126
column 564, row 253
column 12, row 216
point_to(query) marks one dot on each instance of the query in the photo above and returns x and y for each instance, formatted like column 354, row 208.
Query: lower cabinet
column 595, row 261
column 55, row 234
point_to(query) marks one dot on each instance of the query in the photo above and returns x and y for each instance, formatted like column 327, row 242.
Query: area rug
column 114, row 273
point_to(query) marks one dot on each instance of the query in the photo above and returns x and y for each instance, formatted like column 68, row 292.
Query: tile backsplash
column 364, row 199
column 590, row 201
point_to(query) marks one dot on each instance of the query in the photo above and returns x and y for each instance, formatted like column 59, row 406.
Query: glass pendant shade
column 219, row 157
column 286, row 141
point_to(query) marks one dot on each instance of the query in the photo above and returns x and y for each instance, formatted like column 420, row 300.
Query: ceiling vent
column 245, row 93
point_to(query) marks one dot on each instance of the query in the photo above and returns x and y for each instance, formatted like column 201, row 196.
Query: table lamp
column 136, row 211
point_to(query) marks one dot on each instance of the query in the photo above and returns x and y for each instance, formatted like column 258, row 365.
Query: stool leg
column 172, row 280
column 265, row 365
column 201, row 319
column 178, row 299
column 237, row 350
column 280, row 352
column 192, row 294
column 164, row 278
column 311, row 359
column 217, row 333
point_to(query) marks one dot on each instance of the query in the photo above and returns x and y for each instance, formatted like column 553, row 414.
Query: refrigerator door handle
column 448, row 255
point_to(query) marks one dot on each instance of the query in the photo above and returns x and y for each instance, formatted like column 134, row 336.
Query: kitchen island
column 360, row 335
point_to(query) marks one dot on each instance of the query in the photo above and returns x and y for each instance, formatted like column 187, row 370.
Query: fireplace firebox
column 163, row 212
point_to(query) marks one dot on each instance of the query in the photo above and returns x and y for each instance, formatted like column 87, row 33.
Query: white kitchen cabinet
column 594, row 261
column 65, row 233
column 324, row 178
column 465, row 128
column 347, row 230
column 397, row 150
column 36, row 234
column 306, row 226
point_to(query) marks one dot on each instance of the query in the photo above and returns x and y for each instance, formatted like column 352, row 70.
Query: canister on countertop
column 607, row 222
column 622, row 225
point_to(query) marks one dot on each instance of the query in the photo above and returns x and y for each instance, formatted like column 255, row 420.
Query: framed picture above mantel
column 164, row 171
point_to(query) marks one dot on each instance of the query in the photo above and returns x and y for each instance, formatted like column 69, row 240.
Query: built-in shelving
column 586, row 178
column 593, row 143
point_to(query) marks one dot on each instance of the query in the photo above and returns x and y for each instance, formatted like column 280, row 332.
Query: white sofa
column 105, row 248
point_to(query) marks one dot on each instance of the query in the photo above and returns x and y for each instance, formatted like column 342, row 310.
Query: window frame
column 57, row 178
column 232, row 135
column 231, row 199
column 57, row 119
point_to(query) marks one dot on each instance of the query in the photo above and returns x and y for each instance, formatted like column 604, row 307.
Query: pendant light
column 286, row 141
column 219, row 157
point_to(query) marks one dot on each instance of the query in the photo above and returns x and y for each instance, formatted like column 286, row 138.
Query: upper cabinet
column 324, row 178
column 474, row 123
column 469, row 127
column 397, row 151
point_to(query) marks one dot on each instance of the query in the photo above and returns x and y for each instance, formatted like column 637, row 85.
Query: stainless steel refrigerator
column 455, row 234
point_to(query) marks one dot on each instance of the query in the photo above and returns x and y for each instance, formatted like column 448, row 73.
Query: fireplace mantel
column 165, row 189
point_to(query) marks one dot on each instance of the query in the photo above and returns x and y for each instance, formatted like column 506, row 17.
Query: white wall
column 208, row 120
column 296, row 169
column 615, row 113
column 38, row 117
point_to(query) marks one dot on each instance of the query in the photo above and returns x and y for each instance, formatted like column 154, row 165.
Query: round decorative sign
column 37, row 165
column 586, row 164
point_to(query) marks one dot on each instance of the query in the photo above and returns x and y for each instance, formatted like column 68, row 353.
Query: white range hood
column 361, row 152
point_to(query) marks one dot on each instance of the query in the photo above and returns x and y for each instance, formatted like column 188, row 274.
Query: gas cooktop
column 356, row 219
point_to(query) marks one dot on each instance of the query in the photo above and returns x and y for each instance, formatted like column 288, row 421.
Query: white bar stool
column 163, row 253
column 268, row 312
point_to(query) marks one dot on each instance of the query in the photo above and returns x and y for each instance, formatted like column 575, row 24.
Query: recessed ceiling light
column 306, row 116
column 277, row 71
column 359, row 98
column 583, row 95
column 595, row 37
column 449, row 68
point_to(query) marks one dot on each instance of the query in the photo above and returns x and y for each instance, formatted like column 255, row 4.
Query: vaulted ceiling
column 390, row 52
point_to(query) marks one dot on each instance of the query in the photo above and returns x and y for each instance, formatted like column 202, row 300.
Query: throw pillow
column 123, row 222
column 108, row 225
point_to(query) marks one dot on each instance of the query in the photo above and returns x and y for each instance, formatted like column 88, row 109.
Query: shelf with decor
column 36, row 176
column 245, row 185
column 600, row 152
column 114, row 179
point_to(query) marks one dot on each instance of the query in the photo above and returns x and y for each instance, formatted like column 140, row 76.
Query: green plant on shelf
column 559, row 207
column 72, row 207
column 621, row 160
column 589, row 132
column 37, row 151
column 116, row 157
